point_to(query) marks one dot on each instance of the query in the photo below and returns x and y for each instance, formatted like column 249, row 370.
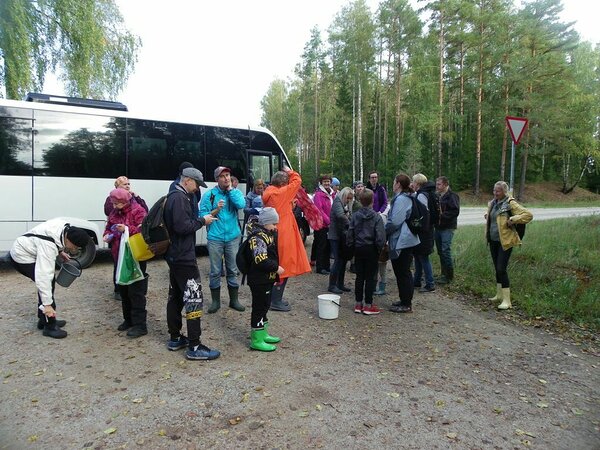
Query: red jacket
column 130, row 215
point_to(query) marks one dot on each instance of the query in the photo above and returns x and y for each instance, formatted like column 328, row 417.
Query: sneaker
column 335, row 290
column 427, row 289
column 202, row 352
column 358, row 308
column 177, row 344
column 401, row 309
column 371, row 310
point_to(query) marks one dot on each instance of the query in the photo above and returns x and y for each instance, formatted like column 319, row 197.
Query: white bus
column 59, row 157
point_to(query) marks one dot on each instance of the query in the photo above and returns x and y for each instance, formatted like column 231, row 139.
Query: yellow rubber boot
column 505, row 299
column 498, row 296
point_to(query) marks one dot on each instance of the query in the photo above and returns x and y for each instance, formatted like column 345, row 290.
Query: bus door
column 261, row 165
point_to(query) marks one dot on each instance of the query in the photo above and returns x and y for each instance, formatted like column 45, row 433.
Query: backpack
column 433, row 205
column 418, row 221
column 243, row 258
column 154, row 230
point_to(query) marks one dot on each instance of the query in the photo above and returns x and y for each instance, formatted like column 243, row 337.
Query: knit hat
column 356, row 183
column 78, row 236
column 194, row 174
column 185, row 165
column 120, row 195
column 335, row 181
column 268, row 216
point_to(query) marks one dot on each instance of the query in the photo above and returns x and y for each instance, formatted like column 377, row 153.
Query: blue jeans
column 216, row 250
column 443, row 243
column 423, row 265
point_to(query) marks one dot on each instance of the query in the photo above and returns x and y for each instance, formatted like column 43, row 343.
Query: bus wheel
column 86, row 258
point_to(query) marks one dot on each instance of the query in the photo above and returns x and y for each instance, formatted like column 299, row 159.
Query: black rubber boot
column 233, row 299
column 332, row 284
column 42, row 322
column 215, row 295
column 53, row 331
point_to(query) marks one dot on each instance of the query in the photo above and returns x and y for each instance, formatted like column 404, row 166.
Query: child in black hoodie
column 263, row 273
column 367, row 234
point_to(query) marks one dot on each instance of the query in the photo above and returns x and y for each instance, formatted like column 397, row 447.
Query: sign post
column 516, row 126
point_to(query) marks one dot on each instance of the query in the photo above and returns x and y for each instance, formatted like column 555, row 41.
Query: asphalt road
column 474, row 215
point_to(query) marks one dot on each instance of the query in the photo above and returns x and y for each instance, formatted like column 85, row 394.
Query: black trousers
column 500, row 258
column 321, row 249
column 185, row 291
column 134, row 299
column 29, row 271
column 261, row 302
column 404, row 278
column 366, row 266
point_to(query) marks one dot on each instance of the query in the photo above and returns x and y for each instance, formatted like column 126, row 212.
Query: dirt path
column 450, row 375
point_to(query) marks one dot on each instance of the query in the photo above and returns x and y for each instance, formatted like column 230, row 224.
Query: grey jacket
column 338, row 220
column 366, row 229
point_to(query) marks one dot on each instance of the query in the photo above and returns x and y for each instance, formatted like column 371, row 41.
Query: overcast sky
column 213, row 61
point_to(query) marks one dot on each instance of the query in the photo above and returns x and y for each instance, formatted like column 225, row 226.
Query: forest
column 427, row 89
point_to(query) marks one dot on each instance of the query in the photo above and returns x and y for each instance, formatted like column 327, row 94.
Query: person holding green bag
column 126, row 218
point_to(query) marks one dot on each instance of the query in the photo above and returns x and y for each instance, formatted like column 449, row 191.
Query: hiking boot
column 370, row 310
column 202, row 353
column 335, row 290
column 401, row 309
column 398, row 303
column 177, row 344
column 54, row 331
column 137, row 331
column 427, row 289
column 125, row 326
column 59, row 323
column 358, row 308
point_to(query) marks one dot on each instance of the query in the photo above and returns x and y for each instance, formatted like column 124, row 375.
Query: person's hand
column 286, row 168
column 485, row 216
column 209, row 218
column 120, row 227
column 509, row 222
column 65, row 256
column 221, row 204
column 280, row 270
column 49, row 311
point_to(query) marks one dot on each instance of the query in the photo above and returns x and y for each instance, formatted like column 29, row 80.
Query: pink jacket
column 323, row 202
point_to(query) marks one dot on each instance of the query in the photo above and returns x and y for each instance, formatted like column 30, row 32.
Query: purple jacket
column 380, row 200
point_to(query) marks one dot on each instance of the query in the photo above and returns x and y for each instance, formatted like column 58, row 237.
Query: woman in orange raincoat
column 292, row 255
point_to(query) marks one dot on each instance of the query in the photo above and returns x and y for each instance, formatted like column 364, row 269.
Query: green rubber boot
column 215, row 295
column 257, row 340
column 268, row 338
column 233, row 299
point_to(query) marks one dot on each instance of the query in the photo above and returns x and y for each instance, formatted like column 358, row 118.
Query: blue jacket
column 396, row 229
column 227, row 227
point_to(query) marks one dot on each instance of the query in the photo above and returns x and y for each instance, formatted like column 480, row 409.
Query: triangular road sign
column 516, row 126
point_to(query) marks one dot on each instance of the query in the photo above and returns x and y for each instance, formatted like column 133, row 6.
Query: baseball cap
column 219, row 170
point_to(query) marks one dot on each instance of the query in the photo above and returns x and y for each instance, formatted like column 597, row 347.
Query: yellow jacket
column 508, row 234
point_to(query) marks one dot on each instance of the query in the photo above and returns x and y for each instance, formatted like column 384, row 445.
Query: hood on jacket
column 428, row 187
column 366, row 212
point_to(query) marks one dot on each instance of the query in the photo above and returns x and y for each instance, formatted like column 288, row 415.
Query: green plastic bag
column 128, row 269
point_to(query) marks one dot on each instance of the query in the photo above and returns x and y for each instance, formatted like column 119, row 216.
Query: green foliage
column 84, row 39
column 368, row 96
column 554, row 274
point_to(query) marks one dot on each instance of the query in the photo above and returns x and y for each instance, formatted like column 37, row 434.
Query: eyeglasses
column 373, row 176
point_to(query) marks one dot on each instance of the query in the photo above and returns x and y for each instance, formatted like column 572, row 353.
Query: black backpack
column 243, row 258
column 154, row 230
column 418, row 221
column 433, row 204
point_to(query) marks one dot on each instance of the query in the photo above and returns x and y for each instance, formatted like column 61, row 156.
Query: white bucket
column 329, row 306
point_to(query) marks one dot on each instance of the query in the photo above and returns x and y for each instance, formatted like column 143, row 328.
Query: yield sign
column 517, row 126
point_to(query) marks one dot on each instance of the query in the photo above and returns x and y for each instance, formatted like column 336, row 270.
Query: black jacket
column 366, row 229
column 449, row 211
column 264, row 260
column 426, row 237
column 182, row 221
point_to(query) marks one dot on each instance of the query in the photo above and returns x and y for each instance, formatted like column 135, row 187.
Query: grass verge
column 555, row 274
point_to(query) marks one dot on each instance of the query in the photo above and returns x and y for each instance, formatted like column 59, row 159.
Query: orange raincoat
column 292, row 255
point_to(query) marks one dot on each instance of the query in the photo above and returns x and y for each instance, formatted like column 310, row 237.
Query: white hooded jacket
column 31, row 249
